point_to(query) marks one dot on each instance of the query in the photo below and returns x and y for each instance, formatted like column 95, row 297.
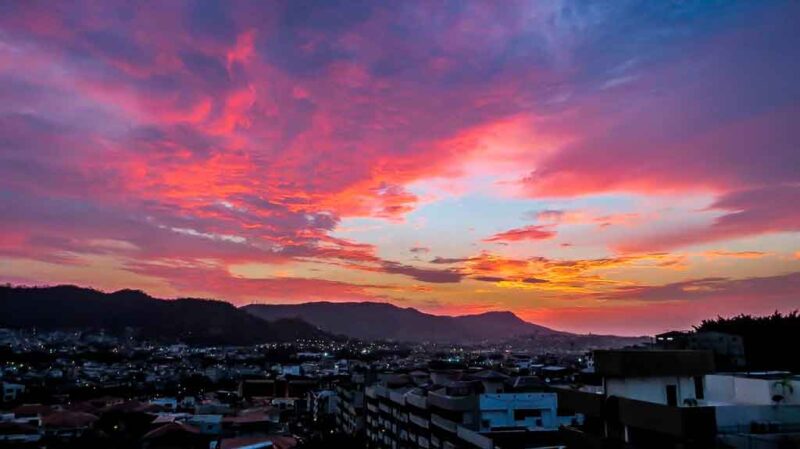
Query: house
column 12, row 433
column 166, row 403
column 206, row 424
column 175, row 435
column 271, row 442
column 12, row 391
column 31, row 414
column 252, row 422
column 67, row 424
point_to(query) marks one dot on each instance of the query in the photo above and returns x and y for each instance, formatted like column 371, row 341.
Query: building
column 65, row 425
column 645, row 401
column 175, row 435
column 660, row 377
column 323, row 405
column 673, row 399
column 12, row 391
column 206, row 424
column 12, row 433
column 473, row 412
column 728, row 349
column 350, row 414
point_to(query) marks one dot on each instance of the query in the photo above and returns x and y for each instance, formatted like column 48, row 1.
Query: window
column 672, row 395
column 698, row 387
column 522, row 413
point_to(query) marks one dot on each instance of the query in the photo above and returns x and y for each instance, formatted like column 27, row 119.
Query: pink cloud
column 532, row 232
column 745, row 212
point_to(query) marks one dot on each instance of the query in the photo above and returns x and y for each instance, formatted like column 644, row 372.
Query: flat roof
column 653, row 363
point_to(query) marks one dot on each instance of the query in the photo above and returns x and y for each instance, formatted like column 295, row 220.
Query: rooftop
column 645, row 363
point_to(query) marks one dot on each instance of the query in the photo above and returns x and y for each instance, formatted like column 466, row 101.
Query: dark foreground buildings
column 93, row 393
column 639, row 398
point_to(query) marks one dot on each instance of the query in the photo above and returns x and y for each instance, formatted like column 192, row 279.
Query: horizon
column 615, row 169
column 346, row 302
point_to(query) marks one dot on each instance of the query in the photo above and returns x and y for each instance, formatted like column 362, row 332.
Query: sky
column 608, row 167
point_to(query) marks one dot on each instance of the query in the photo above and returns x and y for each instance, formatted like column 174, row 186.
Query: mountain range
column 189, row 320
column 204, row 321
column 381, row 321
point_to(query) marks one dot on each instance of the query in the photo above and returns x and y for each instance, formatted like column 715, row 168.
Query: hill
column 380, row 321
column 199, row 321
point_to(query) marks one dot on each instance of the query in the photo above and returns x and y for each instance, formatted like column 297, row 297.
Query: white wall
column 720, row 388
column 650, row 389
column 744, row 390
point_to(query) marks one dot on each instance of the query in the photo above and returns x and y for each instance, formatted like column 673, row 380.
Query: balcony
column 444, row 424
column 474, row 438
column 397, row 397
column 418, row 421
column 381, row 391
column 417, row 400
column 346, row 394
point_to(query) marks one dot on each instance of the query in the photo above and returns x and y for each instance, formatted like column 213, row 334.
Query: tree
column 763, row 337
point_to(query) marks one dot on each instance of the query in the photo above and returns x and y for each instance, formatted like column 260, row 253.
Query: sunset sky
column 616, row 167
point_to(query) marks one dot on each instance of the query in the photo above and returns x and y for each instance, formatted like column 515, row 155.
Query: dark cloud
column 447, row 261
column 782, row 288
column 422, row 274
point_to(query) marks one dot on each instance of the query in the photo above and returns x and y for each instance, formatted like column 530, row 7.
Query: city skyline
column 614, row 168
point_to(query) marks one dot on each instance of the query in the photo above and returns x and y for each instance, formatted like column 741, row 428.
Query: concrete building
column 350, row 414
column 323, row 404
column 475, row 412
column 661, row 377
column 728, row 349
column 673, row 399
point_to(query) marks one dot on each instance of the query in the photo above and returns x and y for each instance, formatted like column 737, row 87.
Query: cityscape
column 722, row 385
column 420, row 224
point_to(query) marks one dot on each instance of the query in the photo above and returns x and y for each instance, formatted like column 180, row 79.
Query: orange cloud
column 564, row 275
column 735, row 254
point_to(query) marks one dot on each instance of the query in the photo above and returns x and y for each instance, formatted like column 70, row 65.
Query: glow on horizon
column 608, row 168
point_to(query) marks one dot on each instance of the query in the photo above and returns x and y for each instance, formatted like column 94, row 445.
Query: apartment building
column 472, row 411
column 350, row 414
